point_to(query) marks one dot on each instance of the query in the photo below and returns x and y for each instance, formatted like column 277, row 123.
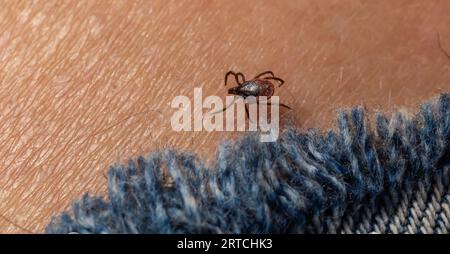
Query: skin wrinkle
column 138, row 56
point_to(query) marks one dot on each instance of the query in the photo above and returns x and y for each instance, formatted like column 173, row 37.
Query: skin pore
column 86, row 84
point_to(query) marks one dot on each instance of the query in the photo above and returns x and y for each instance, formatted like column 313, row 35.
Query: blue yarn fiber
column 302, row 183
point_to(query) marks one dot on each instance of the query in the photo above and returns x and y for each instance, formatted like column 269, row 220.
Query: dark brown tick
column 260, row 85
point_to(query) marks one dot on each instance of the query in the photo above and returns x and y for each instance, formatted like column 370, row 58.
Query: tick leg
column 239, row 74
column 264, row 73
column 226, row 107
column 284, row 105
column 440, row 46
column 228, row 74
column 248, row 114
column 277, row 79
column 279, row 104
column 235, row 77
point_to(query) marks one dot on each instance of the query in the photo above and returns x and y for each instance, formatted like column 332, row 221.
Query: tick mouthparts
column 233, row 90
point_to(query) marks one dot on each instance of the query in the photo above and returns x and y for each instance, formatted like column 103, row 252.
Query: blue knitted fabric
column 379, row 177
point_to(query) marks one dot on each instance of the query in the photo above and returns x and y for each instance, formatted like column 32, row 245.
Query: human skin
column 86, row 84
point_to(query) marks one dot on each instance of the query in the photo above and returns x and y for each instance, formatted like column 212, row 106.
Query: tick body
column 257, row 87
column 260, row 85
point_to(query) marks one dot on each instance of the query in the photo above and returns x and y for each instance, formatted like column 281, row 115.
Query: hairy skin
column 84, row 84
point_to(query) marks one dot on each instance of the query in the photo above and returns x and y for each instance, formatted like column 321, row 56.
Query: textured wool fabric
column 391, row 176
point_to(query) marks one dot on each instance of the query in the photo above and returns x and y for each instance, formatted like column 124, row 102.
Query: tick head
column 234, row 90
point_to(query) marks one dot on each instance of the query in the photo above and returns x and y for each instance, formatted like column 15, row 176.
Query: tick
column 260, row 85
